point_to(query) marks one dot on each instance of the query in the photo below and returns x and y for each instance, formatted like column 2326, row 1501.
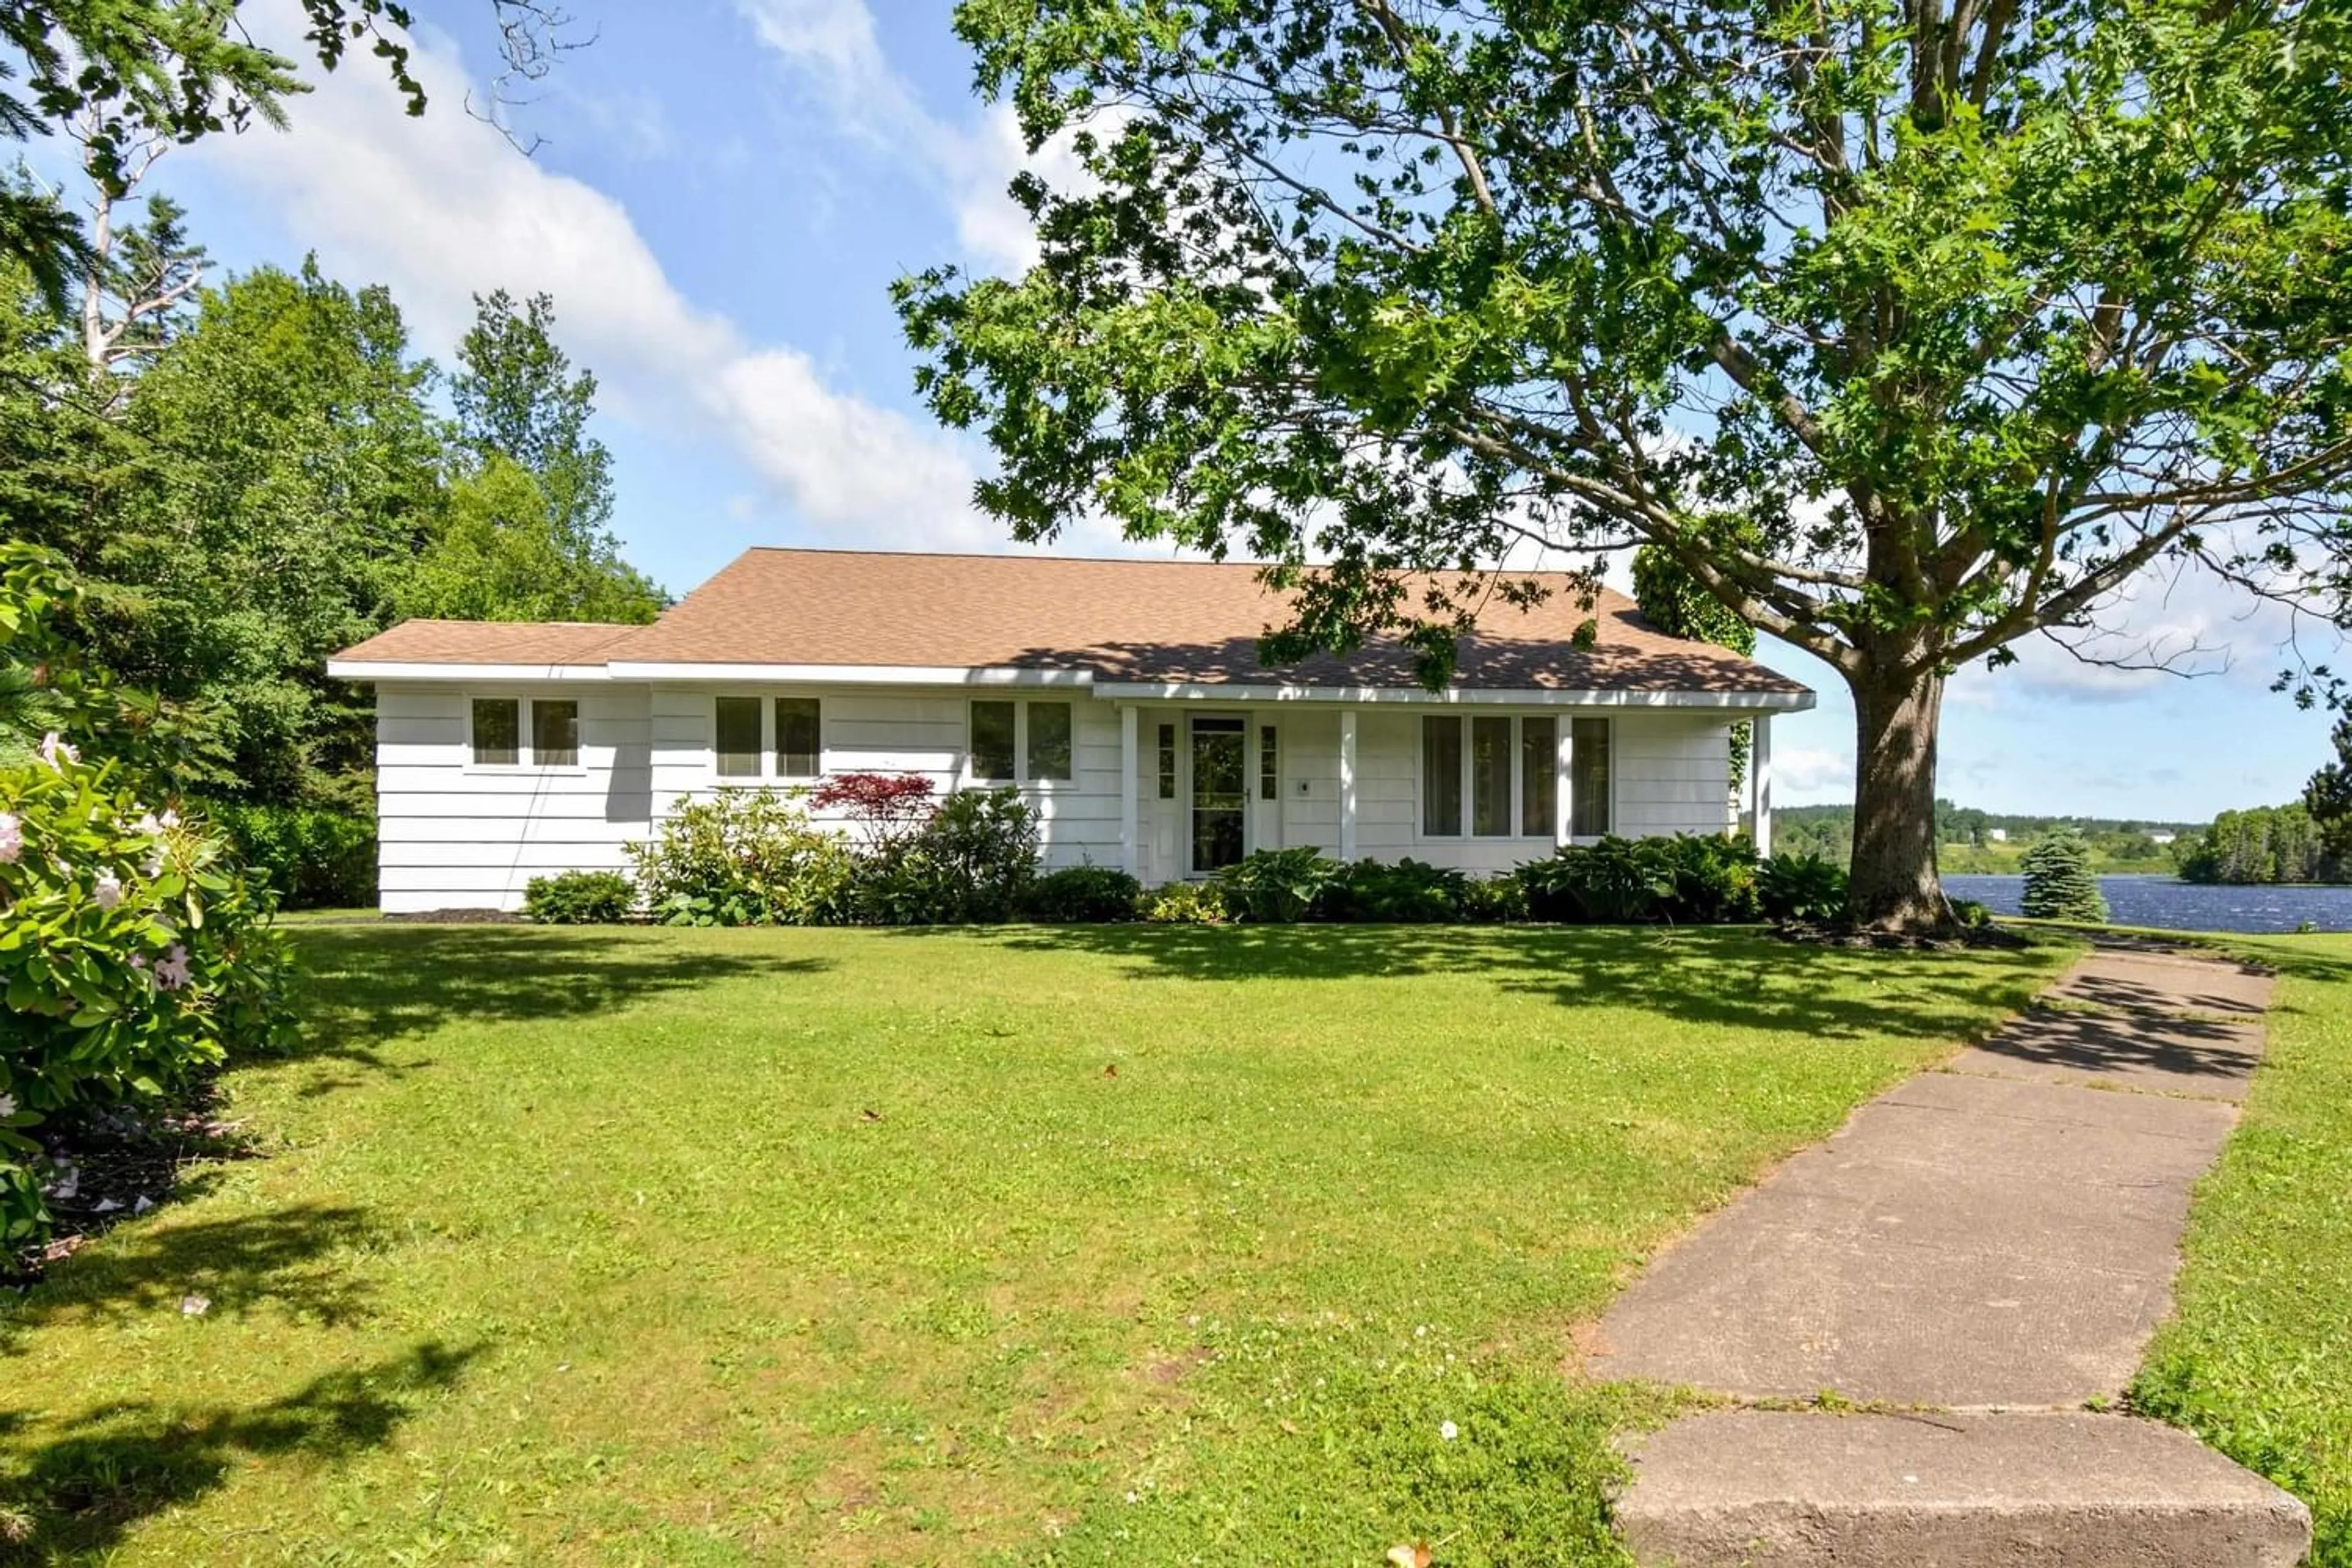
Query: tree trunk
column 1895, row 885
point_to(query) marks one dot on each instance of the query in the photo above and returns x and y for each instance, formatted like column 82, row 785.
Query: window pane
column 1538, row 777
column 738, row 737
column 1049, row 741
column 1490, row 777
column 991, row 740
column 1588, row 778
column 555, row 734
column 797, row 737
column 1168, row 761
column 1441, row 777
column 1269, row 764
column 497, row 731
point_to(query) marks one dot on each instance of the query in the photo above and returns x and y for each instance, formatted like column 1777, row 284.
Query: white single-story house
column 1124, row 699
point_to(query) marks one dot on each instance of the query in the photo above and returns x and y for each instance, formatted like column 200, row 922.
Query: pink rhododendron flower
column 12, row 838
column 108, row 891
column 171, row 971
column 53, row 747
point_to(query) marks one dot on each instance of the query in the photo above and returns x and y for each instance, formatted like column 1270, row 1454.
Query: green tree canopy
column 1966, row 312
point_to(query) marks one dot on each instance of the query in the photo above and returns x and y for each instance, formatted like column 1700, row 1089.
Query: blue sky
column 724, row 191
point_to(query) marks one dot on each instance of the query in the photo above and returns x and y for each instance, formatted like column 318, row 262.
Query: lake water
column 2171, row 905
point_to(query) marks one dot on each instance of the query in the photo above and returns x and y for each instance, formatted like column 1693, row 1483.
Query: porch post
column 1128, row 858
column 1347, row 784
column 1760, row 770
column 1563, row 807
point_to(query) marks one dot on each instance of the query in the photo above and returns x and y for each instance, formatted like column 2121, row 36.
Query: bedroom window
column 1269, row 764
column 1496, row 775
column 554, row 733
column 1022, row 742
column 761, row 738
column 497, row 731
column 1589, row 779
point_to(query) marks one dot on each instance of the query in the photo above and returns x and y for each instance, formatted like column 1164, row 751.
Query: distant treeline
column 2266, row 844
column 1828, row 831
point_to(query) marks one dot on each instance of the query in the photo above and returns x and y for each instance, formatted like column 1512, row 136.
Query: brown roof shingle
column 1152, row 621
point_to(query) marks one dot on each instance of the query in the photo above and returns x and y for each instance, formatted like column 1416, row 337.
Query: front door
column 1219, row 791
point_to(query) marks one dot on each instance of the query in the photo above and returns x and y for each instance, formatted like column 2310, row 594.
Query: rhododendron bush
column 132, row 952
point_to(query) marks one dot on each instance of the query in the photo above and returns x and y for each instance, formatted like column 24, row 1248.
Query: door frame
column 1189, row 803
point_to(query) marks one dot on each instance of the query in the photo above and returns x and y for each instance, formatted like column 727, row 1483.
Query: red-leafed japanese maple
column 888, row 808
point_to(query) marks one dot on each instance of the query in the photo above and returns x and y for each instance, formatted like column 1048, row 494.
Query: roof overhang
column 1083, row 680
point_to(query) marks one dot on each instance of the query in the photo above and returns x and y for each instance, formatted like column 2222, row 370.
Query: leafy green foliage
column 1385, row 892
column 1805, row 890
column 2266, row 844
column 2329, row 798
column 1905, row 331
column 1082, row 895
column 1615, row 882
column 972, row 862
column 1277, row 887
column 742, row 858
column 1679, row 604
column 313, row 857
column 2059, row 882
column 133, row 956
column 1184, row 904
column 578, row 899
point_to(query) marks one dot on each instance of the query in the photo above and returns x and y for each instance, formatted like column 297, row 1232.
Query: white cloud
column 1805, row 776
column 442, row 207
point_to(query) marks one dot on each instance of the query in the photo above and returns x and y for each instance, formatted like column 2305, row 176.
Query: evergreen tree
column 2058, row 885
column 2329, row 798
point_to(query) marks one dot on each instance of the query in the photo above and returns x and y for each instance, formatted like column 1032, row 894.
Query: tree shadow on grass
column 78, row 1490
column 1734, row 978
column 284, row 1259
column 367, row 986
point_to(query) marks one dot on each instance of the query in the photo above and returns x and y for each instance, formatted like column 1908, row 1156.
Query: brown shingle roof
column 1124, row 620
column 492, row 642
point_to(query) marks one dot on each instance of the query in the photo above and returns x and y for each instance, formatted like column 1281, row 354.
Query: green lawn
column 1134, row 1244
column 2259, row 1360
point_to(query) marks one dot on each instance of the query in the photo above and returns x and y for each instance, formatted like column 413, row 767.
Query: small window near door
column 799, row 751
column 1049, row 742
column 1490, row 777
column 992, row 751
column 1441, row 776
column 554, row 734
column 1588, row 778
column 737, row 743
column 1168, row 761
column 1269, row 764
column 497, row 731
column 1538, row 777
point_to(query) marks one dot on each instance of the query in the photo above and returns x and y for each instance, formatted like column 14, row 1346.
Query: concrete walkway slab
column 2137, row 981
column 1961, row 1242
column 2154, row 1054
column 1779, row 1489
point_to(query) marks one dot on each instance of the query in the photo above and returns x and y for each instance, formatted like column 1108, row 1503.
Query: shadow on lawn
column 284, row 1258
column 365, row 986
column 79, row 1491
column 1736, row 979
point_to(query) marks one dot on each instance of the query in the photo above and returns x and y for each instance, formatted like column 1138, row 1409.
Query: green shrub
column 1804, row 889
column 578, row 899
column 1713, row 879
column 134, row 956
column 1083, row 895
column 971, row 862
column 1277, row 887
column 1406, row 891
column 2059, row 883
column 742, row 858
column 1491, row 901
column 1972, row 915
column 1183, row 904
column 315, row 859
column 1615, row 882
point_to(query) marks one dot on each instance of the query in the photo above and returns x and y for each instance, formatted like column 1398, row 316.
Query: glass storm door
column 1219, row 791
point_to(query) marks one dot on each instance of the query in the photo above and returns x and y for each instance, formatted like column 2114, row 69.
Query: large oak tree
column 1909, row 327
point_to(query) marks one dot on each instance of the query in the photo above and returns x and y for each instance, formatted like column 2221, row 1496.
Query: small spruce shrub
column 1277, row 887
column 1083, row 895
column 1184, row 904
column 578, row 899
column 1804, row 889
column 2059, row 883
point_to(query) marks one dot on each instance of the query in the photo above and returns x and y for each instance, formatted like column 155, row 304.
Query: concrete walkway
column 1999, row 1236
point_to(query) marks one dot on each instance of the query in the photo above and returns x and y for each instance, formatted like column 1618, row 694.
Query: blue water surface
column 2173, row 905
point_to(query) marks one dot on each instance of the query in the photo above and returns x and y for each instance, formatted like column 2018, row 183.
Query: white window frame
column 526, row 746
column 966, row 778
column 767, row 777
column 1562, row 776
